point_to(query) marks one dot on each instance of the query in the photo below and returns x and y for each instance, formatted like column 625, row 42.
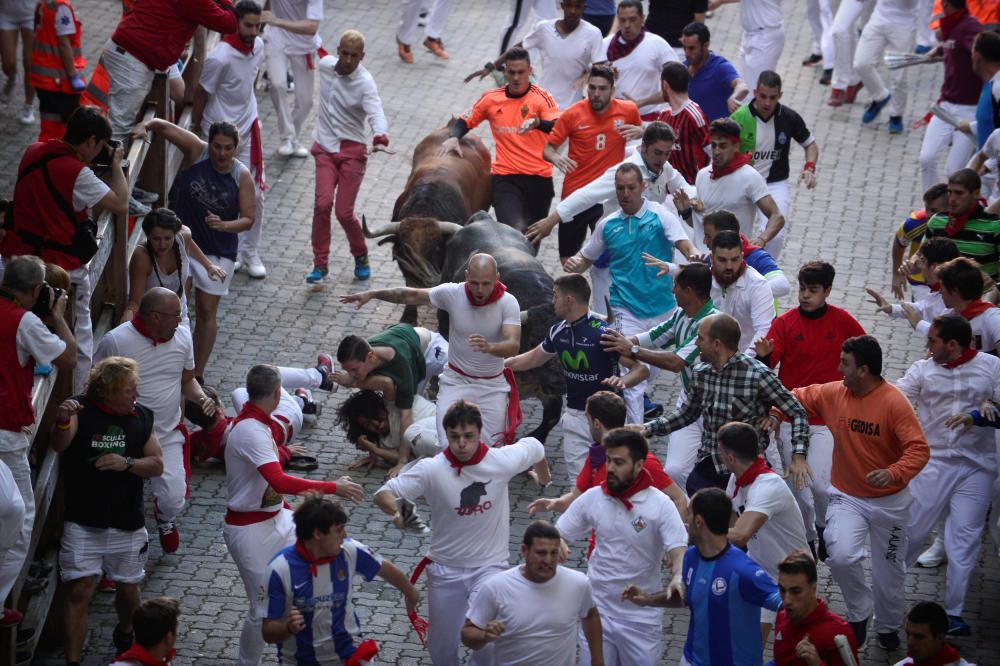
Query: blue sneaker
column 958, row 627
column 875, row 108
column 317, row 275
column 43, row 370
column 650, row 409
column 362, row 271
column 921, row 49
column 895, row 124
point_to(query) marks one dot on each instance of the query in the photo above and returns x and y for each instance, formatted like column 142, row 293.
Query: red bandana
column 957, row 222
column 948, row 21
column 947, row 655
column 619, row 48
column 748, row 248
column 107, row 410
column 499, row 289
column 975, row 308
column 143, row 330
column 476, row 458
column 365, row 651
column 967, row 355
column 238, row 44
column 936, row 287
column 252, row 411
column 642, row 481
column 310, row 559
column 739, row 159
column 141, row 655
column 758, row 467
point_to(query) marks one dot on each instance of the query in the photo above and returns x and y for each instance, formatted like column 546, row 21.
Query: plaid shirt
column 743, row 390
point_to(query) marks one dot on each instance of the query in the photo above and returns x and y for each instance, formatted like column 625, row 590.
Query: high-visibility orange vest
column 987, row 11
column 47, row 71
column 96, row 93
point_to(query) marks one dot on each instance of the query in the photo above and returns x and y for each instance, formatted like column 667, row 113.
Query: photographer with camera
column 50, row 216
column 28, row 306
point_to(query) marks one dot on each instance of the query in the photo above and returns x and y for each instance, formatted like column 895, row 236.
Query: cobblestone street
column 868, row 182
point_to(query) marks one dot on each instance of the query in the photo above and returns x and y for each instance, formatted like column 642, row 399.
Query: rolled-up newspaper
column 946, row 115
column 896, row 60
column 844, row 650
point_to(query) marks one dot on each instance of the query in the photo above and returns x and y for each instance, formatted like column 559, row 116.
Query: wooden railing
column 153, row 167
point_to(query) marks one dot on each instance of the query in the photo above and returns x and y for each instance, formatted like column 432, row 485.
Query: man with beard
column 740, row 291
column 635, row 526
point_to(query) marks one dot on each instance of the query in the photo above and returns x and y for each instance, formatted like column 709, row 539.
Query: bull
column 531, row 284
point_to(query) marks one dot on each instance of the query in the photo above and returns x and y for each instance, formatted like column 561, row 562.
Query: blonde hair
column 353, row 36
column 108, row 376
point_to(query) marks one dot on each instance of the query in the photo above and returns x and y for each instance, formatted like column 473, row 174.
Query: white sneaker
column 254, row 267
column 28, row 115
column 933, row 556
column 287, row 149
column 299, row 150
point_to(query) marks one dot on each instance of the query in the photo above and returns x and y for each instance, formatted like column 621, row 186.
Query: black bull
column 531, row 284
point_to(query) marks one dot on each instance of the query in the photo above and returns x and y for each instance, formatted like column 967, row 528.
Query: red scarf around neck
column 739, row 159
column 310, row 559
column 967, row 355
column 748, row 247
column 499, row 289
column 238, row 44
column 141, row 655
column 619, row 48
column 476, row 458
column 642, row 481
column 252, row 411
column 975, row 308
column 947, row 655
column 957, row 222
column 948, row 22
column 758, row 467
column 140, row 326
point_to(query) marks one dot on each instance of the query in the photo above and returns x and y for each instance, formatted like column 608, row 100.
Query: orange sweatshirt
column 877, row 431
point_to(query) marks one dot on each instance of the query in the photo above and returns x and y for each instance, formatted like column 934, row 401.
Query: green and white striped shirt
column 677, row 334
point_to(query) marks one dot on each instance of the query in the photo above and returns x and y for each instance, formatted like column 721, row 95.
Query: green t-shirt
column 407, row 368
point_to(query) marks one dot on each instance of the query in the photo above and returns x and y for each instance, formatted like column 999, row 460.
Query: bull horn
column 524, row 317
column 391, row 228
column 449, row 228
column 607, row 306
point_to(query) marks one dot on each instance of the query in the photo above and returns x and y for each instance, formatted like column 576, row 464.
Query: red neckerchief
column 144, row 331
column 975, row 308
column 365, row 651
column 967, row 355
column 957, row 222
column 748, row 248
column 107, row 410
column 948, row 21
column 758, row 467
column 619, row 48
column 252, row 411
column 936, row 287
column 141, row 655
column 476, row 458
column 743, row 269
column 739, row 160
column 257, row 155
column 499, row 289
column 947, row 655
column 238, row 44
column 642, row 481
column 310, row 559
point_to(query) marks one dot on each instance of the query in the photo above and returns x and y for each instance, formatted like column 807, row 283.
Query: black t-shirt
column 667, row 18
column 105, row 499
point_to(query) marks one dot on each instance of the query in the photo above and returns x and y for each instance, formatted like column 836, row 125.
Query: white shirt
column 749, row 300
column 345, row 102
column 470, row 506
column 160, row 369
column 467, row 319
column 295, row 10
column 960, row 662
column 784, row 530
column 658, row 186
column 228, row 77
column 35, row 341
column 673, row 229
column 249, row 444
column 88, row 190
column 929, row 307
column 760, row 14
column 985, row 325
column 629, row 546
column 894, row 12
column 540, row 619
column 564, row 58
column 737, row 192
column 639, row 71
column 422, row 409
column 940, row 392
column 65, row 25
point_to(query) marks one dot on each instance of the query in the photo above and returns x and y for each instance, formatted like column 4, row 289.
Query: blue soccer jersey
column 577, row 345
column 725, row 595
column 326, row 600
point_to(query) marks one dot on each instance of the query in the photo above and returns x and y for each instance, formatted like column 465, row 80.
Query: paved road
column 867, row 182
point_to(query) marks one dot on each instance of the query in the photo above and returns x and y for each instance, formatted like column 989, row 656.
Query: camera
column 46, row 300
column 103, row 158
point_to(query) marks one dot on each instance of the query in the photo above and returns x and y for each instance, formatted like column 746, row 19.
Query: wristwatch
column 129, row 464
column 634, row 350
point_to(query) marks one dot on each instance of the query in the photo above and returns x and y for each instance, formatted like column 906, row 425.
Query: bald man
column 165, row 353
column 485, row 329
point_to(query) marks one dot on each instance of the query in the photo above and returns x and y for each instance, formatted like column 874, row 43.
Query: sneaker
column 412, row 522
column 144, row 196
column 889, row 641
column 650, row 409
column 107, row 585
column 436, row 47
column 813, row 59
column 362, row 270
column 874, row 108
column 827, row 77
column 837, row 97
column 958, row 627
column 317, row 275
column 821, row 553
column 933, row 556
column 921, row 49
column 851, row 93
column 860, row 632
column 310, row 408
column 287, row 149
column 170, row 538
column 136, row 208
column 324, row 364
column 253, row 266
column 298, row 150
column 405, row 52
column 895, row 124
column 122, row 641
column 289, row 83
column 10, row 616
column 27, row 115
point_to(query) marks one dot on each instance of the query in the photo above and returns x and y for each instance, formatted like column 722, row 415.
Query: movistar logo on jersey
column 596, row 323
column 575, row 363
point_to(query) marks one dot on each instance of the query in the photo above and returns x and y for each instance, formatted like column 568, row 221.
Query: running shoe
column 889, row 641
column 362, row 270
column 170, row 538
column 875, row 108
column 324, row 364
column 827, row 77
column 436, row 47
column 895, row 124
column 837, row 97
column 405, row 52
column 318, row 274
column 958, row 627
column 851, row 93
column 812, row 60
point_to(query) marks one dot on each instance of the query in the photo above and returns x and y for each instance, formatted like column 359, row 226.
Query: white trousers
column 959, row 489
column 410, row 16
column 630, row 324
column 278, row 64
column 925, row 35
column 129, row 81
column 448, row 592
column 941, row 137
column 820, row 20
column 83, row 327
column 17, row 514
column 625, row 643
column 170, row 487
column 435, row 358
column 814, row 498
column 760, row 51
column 850, row 521
column 845, row 40
column 252, row 547
column 875, row 40
column 600, row 290
column 289, row 410
column 489, row 394
column 576, row 440
column 682, row 451
column 782, row 195
column 518, row 19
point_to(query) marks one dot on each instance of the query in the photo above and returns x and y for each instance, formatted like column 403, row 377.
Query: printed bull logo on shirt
column 111, row 440
column 470, row 503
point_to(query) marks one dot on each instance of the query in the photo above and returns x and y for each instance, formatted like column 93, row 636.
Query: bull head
column 446, row 228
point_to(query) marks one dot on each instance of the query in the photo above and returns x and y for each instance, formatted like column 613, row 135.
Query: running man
column 763, row 37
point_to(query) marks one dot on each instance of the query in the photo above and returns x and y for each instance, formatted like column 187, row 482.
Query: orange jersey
column 594, row 142
column 877, row 431
column 517, row 154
